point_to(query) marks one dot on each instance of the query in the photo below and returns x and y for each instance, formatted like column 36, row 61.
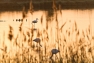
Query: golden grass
column 79, row 50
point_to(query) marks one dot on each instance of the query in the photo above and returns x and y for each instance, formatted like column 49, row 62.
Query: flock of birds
column 37, row 40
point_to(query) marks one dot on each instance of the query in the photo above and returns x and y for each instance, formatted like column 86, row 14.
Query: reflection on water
column 46, row 28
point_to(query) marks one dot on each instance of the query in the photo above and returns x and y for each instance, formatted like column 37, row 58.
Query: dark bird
column 54, row 51
column 37, row 40
column 35, row 21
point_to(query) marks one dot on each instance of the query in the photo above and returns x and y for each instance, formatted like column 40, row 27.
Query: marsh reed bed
column 76, row 46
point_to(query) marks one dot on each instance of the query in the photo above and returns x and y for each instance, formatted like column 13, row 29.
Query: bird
column 54, row 51
column 35, row 21
column 37, row 40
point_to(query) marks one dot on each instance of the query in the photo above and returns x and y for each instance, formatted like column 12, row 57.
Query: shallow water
column 83, row 18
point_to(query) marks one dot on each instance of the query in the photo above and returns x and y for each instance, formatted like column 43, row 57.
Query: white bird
column 35, row 21
column 37, row 40
column 54, row 51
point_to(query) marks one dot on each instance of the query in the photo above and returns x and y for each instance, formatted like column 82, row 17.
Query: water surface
column 83, row 18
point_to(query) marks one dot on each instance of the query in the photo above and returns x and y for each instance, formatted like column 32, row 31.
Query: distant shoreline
column 48, row 5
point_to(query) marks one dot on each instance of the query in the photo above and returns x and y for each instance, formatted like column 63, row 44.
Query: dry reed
column 79, row 51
